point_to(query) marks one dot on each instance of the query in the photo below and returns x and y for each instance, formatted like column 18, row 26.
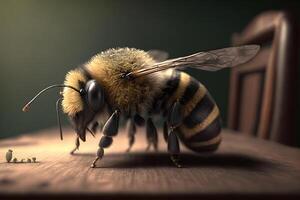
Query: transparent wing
column 158, row 55
column 210, row 61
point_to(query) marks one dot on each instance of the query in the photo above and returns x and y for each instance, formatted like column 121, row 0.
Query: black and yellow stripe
column 160, row 102
column 201, row 127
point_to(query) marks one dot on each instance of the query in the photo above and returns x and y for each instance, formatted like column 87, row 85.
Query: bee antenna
column 58, row 117
column 27, row 106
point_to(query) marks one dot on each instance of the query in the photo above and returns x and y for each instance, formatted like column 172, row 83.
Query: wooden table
column 242, row 167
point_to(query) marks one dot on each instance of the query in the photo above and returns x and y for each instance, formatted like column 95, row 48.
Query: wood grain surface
column 243, row 166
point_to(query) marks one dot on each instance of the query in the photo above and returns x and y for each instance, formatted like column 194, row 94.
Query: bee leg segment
column 131, row 134
column 101, row 127
column 77, row 144
column 174, row 148
column 174, row 120
column 165, row 131
column 140, row 121
column 110, row 129
column 99, row 155
column 175, row 116
column 151, row 133
column 95, row 126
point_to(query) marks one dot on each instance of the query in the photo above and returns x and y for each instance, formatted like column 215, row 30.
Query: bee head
column 82, row 100
column 91, row 100
column 82, row 106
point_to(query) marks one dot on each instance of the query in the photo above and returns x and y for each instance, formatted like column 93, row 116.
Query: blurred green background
column 42, row 40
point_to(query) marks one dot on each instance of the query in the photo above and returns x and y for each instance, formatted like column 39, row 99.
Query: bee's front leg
column 174, row 120
column 95, row 126
column 77, row 144
column 110, row 129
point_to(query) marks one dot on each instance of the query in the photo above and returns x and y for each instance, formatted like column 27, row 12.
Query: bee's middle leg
column 131, row 134
column 110, row 129
column 151, row 132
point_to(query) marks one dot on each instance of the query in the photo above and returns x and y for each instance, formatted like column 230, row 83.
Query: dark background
column 40, row 41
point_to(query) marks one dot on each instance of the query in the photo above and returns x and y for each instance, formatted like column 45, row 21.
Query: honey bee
column 137, row 85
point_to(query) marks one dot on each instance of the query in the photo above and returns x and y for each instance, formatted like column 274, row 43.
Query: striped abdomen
column 201, row 126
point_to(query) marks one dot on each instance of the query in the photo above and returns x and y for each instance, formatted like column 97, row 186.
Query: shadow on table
column 188, row 160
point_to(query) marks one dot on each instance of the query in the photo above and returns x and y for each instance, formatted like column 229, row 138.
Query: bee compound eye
column 95, row 96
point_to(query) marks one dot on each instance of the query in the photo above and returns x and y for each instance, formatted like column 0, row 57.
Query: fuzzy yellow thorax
column 107, row 68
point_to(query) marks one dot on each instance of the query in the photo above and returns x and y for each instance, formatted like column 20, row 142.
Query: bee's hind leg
column 174, row 148
column 174, row 120
column 131, row 134
column 77, row 144
column 110, row 129
column 151, row 132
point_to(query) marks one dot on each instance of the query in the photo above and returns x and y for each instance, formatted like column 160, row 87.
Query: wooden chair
column 263, row 92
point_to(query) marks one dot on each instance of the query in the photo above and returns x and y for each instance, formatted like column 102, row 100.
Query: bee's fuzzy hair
column 107, row 67
column 72, row 102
